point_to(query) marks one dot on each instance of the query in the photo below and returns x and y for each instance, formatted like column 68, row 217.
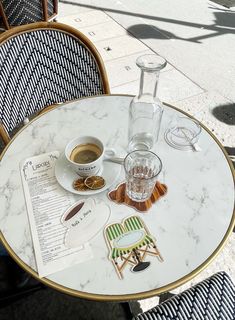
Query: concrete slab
column 85, row 19
column 69, row 9
column 96, row 32
column 118, row 47
column 124, row 70
column 173, row 87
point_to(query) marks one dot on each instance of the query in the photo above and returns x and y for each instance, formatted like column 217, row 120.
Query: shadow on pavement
column 224, row 22
column 225, row 113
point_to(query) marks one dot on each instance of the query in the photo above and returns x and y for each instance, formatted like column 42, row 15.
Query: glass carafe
column 145, row 112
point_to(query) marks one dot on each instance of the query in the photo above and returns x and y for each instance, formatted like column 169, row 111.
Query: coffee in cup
column 85, row 153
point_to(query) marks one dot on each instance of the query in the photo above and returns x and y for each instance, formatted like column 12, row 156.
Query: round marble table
column 190, row 223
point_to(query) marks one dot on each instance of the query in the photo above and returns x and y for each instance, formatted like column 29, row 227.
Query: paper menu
column 46, row 202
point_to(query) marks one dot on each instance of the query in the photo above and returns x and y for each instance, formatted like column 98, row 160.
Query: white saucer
column 66, row 176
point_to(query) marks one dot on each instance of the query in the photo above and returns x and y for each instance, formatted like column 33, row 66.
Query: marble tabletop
column 190, row 223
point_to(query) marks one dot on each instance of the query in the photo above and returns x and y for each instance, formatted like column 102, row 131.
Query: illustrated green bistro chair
column 44, row 64
column 129, row 243
column 148, row 244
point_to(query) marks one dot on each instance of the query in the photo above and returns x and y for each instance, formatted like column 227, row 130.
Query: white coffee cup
column 81, row 212
column 90, row 168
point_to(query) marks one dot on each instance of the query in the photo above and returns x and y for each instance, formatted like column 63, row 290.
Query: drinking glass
column 141, row 168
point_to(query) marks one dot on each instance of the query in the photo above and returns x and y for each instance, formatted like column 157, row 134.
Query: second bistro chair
column 43, row 64
column 210, row 299
column 17, row 12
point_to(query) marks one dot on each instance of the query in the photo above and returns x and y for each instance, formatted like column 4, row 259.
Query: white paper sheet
column 46, row 202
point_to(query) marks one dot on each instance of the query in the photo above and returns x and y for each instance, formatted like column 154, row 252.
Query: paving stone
column 70, row 9
column 119, row 47
column 124, row 70
column 96, row 32
column 86, row 19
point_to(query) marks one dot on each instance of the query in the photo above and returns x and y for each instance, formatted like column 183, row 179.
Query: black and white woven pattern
column 19, row 12
column 41, row 68
column 212, row 299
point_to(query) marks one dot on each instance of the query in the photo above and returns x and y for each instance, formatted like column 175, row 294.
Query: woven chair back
column 44, row 64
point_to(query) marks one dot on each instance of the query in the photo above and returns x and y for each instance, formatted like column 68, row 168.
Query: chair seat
column 211, row 299
column 116, row 252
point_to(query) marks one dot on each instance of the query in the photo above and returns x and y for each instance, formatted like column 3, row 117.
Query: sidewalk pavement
column 196, row 37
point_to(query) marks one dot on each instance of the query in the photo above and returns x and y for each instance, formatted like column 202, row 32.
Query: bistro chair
column 43, row 64
column 18, row 12
column 133, row 253
column 211, row 299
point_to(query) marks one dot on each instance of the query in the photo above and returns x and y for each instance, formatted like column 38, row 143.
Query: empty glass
column 141, row 169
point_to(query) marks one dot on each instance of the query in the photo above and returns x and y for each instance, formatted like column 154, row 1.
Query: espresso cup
column 81, row 212
column 85, row 155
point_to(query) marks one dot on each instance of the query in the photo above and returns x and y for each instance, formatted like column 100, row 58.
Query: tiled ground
column 111, row 41
column 119, row 50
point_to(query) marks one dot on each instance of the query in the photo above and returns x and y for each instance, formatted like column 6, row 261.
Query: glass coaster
column 169, row 138
column 183, row 133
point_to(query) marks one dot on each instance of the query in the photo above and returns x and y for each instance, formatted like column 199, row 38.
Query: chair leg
column 127, row 309
column 4, row 17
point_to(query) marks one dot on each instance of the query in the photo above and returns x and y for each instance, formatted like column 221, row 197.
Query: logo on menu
column 45, row 164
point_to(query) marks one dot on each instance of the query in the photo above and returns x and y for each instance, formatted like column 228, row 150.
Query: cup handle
column 109, row 153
